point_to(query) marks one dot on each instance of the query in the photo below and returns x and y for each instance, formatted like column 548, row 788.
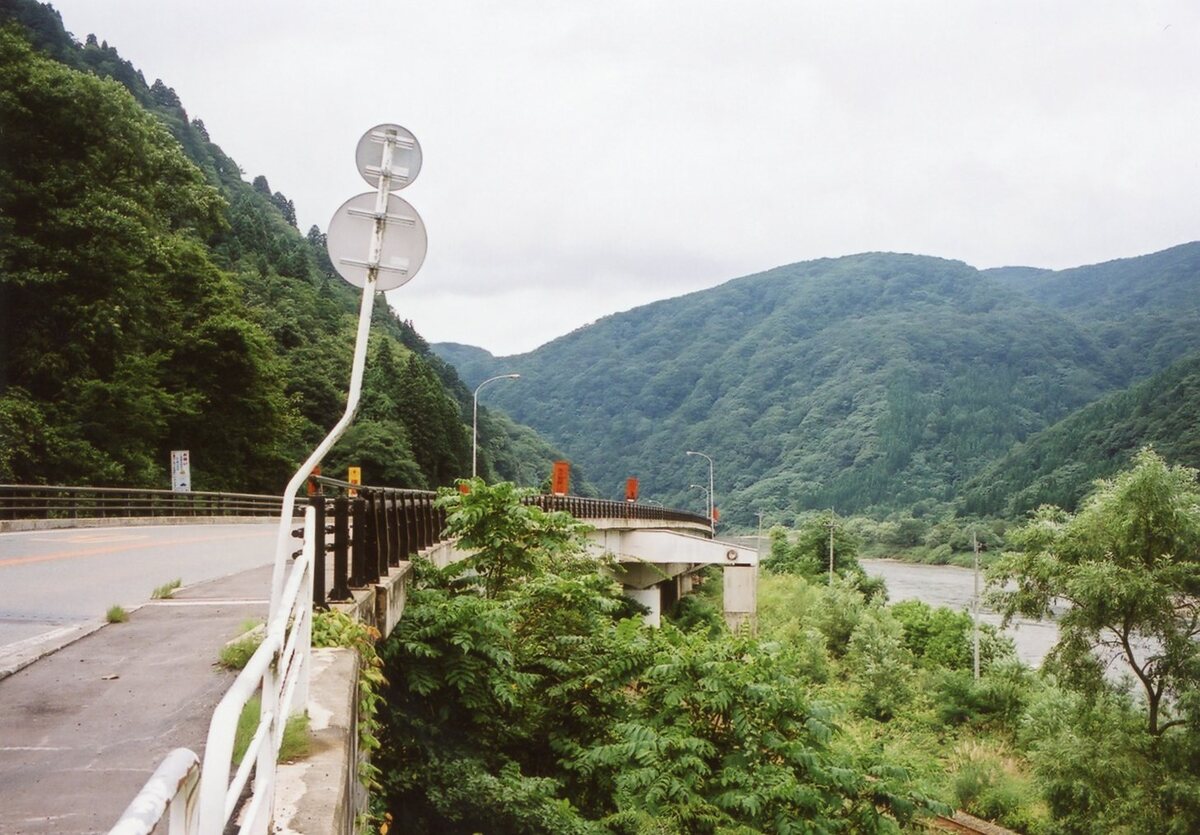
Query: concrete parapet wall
column 321, row 793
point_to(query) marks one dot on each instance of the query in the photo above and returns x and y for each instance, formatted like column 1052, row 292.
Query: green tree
column 1128, row 566
column 807, row 553
column 507, row 539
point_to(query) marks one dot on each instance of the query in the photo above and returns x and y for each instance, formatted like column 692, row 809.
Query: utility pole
column 759, row 540
column 975, row 602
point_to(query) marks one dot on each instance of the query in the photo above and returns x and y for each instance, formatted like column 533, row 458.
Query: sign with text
column 354, row 476
column 181, row 471
column 560, row 482
column 631, row 489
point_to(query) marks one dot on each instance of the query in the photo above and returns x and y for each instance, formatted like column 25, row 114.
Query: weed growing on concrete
column 236, row 654
column 167, row 590
column 116, row 614
column 296, row 742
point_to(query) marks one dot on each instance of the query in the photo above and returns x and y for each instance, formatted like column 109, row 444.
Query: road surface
column 56, row 580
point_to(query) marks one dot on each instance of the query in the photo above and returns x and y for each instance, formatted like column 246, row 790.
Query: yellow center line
column 125, row 546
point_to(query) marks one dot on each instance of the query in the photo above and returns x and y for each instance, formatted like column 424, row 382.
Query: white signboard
column 181, row 471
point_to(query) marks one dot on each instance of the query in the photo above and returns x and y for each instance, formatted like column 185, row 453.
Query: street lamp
column 711, row 521
column 475, row 415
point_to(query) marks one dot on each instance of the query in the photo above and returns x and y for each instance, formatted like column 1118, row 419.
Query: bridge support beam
column 657, row 567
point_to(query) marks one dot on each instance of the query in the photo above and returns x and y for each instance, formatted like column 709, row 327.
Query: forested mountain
column 1144, row 311
column 871, row 381
column 1059, row 465
column 151, row 299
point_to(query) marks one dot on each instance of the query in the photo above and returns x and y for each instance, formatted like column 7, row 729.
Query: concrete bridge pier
column 657, row 567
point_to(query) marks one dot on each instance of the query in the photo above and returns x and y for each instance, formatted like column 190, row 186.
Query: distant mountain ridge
column 1058, row 465
column 870, row 381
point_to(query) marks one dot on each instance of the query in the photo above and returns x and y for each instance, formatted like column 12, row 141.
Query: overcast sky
column 586, row 157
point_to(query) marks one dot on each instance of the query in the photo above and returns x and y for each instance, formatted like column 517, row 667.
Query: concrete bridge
column 658, row 554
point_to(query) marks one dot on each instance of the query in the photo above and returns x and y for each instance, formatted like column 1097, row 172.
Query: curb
column 18, row 656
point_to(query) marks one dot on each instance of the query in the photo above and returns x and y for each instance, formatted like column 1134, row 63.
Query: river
column 951, row 586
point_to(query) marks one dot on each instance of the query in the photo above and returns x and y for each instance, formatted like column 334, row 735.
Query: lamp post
column 710, row 486
column 475, row 416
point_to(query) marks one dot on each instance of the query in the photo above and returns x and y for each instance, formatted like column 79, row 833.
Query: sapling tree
column 1128, row 567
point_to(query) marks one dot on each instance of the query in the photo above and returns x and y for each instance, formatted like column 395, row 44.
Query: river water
column 953, row 587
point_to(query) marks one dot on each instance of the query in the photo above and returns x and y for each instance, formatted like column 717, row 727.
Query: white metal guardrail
column 172, row 786
column 278, row 673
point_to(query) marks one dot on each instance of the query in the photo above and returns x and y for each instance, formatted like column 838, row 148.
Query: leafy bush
column 879, row 664
column 531, row 703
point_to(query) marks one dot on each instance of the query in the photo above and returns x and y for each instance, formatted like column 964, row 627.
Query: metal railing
column 172, row 787
column 379, row 527
column 582, row 508
column 372, row 531
column 40, row 501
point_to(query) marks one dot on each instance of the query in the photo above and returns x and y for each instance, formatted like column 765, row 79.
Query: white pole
column 711, row 503
column 283, row 547
column 759, row 540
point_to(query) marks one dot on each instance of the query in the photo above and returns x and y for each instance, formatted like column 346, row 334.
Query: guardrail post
column 341, row 549
column 407, row 537
column 358, row 554
column 372, row 550
column 318, row 595
column 382, row 537
column 419, row 521
column 393, row 526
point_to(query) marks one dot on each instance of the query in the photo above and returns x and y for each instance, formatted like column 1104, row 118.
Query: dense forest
column 152, row 299
column 1058, row 465
column 872, row 383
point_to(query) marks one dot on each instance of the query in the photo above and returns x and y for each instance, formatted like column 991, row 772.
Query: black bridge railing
column 582, row 508
column 369, row 530
column 39, row 501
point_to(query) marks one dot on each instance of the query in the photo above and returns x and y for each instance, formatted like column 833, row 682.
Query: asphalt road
column 50, row 580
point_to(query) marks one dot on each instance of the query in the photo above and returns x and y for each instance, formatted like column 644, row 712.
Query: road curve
column 55, row 580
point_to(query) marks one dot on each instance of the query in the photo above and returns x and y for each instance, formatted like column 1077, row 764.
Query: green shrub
column 838, row 614
column 879, row 664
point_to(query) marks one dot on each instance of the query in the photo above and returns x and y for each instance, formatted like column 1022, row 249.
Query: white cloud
column 585, row 157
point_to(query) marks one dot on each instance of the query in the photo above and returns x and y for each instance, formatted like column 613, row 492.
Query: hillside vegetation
column 154, row 300
column 1058, row 466
column 875, row 380
column 869, row 383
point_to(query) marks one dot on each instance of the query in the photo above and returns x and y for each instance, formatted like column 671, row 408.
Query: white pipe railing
column 173, row 787
column 277, row 673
